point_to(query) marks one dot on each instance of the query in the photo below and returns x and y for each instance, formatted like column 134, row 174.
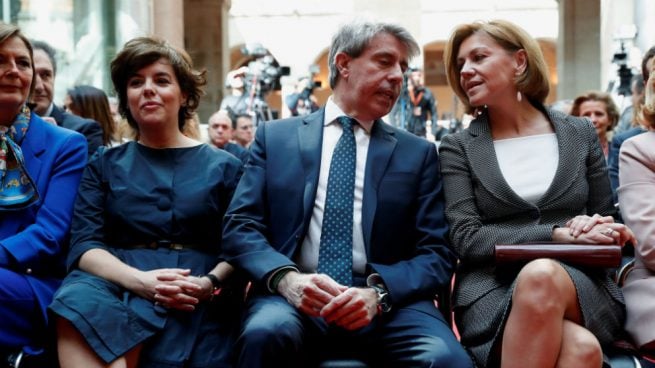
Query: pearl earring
column 519, row 96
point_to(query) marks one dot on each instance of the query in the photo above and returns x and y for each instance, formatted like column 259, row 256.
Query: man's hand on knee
column 309, row 292
column 353, row 309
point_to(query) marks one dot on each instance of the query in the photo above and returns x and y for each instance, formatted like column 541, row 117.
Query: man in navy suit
column 400, row 255
column 42, row 98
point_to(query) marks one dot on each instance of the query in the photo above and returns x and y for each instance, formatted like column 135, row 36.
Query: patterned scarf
column 17, row 189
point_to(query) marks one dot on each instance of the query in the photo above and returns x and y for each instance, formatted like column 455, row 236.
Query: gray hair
column 353, row 38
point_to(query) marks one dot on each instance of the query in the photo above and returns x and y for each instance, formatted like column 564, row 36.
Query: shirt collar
column 48, row 112
column 333, row 111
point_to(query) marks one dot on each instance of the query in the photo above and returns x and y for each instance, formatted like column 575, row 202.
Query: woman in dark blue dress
column 147, row 222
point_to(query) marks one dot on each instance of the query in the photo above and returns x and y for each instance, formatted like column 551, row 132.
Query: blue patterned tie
column 336, row 250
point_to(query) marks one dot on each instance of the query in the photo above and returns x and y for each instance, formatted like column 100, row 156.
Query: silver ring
column 609, row 232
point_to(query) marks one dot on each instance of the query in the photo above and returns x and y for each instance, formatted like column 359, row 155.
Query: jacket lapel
column 34, row 146
column 310, row 136
column 380, row 149
column 484, row 163
column 567, row 147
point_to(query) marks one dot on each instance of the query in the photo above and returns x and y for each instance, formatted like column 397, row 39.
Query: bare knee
column 581, row 349
column 540, row 287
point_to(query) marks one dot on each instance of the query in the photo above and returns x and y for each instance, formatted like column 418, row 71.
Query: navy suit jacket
column 613, row 156
column 36, row 237
column 91, row 129
column 238, row 151
column 405, row 232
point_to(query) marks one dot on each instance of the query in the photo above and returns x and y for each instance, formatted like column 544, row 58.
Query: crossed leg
column 543, row 328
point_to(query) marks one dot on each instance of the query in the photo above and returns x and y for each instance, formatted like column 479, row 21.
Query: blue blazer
column 36, row 237
column 403, row 219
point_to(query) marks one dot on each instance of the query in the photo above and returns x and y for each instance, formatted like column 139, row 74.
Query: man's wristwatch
column 384, row 305
column 216, row 283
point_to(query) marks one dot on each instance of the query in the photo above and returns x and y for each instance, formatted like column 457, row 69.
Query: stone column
column 578, row 47
column 206, row 30
column 168, row 21
column 645, row 21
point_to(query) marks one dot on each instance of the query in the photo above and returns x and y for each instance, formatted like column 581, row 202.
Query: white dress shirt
column 308, row 256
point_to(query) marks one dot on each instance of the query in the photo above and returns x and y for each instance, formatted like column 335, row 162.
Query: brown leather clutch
column 583, row 255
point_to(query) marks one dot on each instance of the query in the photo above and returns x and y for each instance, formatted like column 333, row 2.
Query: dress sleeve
column 87, row 228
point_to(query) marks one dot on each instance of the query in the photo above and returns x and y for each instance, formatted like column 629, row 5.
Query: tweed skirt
column 481, row 323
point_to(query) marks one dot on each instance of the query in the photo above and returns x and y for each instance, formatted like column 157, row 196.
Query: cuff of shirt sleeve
column 375, row 279
column 277, row 275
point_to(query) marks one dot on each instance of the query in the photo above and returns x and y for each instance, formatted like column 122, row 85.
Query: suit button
column 535, row 214
column 28, row 271
column 164, row 204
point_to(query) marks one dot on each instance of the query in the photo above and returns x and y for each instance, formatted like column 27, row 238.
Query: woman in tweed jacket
column 522, row 173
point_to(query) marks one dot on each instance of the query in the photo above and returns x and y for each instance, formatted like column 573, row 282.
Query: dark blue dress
column 132, row 195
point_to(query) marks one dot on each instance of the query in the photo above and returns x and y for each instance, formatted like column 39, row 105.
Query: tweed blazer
column 483, row 210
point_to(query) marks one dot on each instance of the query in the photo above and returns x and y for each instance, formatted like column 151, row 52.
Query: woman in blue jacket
column 40, row 170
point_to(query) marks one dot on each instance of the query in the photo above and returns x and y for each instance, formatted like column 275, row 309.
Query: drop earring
column 519, row 96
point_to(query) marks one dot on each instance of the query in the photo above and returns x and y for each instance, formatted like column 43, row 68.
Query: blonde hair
column 532, row 83
column 610, row 107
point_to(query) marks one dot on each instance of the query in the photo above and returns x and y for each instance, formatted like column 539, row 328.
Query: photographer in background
column 302, row 102
column 237, row 102
column 421, row 104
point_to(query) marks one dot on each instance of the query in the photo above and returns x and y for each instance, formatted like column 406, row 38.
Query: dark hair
column 143, row 51
column 92, row 103
column 236, row 120
column 8, row 31
column 353, row 38
column 49, row 50
column 610, row 106
column 533, row 82
column 647, row 56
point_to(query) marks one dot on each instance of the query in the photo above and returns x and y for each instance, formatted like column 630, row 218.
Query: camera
column 263, row 71
column 624, row 34
column 620, row 58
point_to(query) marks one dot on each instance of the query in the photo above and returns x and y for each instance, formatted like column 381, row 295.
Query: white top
column 528, row 163
column 308, row 256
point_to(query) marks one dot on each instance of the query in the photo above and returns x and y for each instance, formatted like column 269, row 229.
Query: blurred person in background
column 40, row 169
column 244, row 131
column 639, row 126
column 92, row 103
column 421, row 106
column 628, row 118
column 302, row 102
column 125, row 131
column 236, row 103
column 600, row 108
column 220, row 129
column 42, row 98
